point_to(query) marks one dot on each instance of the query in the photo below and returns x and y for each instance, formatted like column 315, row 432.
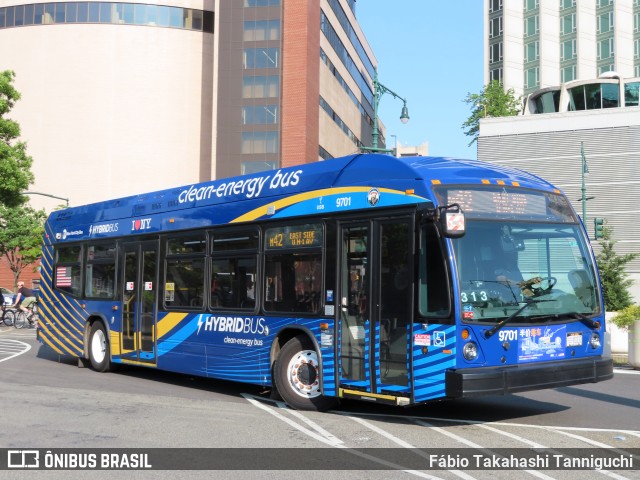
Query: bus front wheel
column 99, row 351
column 297, row 378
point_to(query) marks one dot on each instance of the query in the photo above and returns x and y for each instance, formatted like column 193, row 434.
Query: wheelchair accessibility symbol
column 439, row 339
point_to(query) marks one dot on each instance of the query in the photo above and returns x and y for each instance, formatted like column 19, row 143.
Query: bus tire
column 99, row 349
column 296, row 376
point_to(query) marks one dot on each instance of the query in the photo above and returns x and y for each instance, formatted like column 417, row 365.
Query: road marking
column 13, row 348
column 471, row 444
column 332, row 441
column 403, row 444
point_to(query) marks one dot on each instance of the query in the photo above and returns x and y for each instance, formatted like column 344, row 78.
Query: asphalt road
column 47, row 402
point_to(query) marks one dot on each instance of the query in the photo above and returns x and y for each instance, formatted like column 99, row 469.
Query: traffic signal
column 598, row 227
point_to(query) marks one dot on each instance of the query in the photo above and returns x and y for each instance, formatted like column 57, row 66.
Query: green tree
column 15, row 164
column 615, row 281
column 492, row 101
column 21, row 231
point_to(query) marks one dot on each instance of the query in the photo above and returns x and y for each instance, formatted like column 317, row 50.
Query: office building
column 533, row 44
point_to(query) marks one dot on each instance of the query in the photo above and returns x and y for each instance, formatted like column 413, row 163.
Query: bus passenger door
column 139, row 292
column 376, row 311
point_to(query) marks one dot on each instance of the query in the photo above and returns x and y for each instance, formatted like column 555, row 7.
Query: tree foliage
column 615, row 281
column 492, row 101
column 21, row 231
column 15, row 164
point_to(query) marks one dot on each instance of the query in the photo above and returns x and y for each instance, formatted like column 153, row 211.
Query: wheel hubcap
column 98, row 346
column 303, row 374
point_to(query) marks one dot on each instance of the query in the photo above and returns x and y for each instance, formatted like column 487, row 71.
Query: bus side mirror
column 452, row 221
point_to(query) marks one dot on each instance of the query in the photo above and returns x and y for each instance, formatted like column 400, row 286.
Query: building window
column 636, row 22
column 564, row 4
column 261, row 57
column 568, row 73
column 605, row 48
column 106, row 12
column 259, row 30
column 260, row 115
column 261, row 3
column 261, row 86
column 531, row 25
column 495, row 75
column 532, row 77
column 495, row 52
column 495, row 5
column 604, row 3
column 568, row 24
column 532, row 51
column 605, row 22
column 495, row 27
column 636, row 48
column 260, row 142
column 568, row 50
column 531, row 4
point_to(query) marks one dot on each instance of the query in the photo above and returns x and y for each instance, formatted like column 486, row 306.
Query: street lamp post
column 584, row 198
column 379, row 90
column 47, row 195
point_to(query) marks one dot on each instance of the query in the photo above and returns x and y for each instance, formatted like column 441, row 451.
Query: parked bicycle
column 8, row 315
column 28, row 318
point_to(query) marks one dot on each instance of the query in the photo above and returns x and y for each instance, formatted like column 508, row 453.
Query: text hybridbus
column 391, row 280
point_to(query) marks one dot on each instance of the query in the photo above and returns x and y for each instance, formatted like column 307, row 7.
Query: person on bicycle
column 24, row 300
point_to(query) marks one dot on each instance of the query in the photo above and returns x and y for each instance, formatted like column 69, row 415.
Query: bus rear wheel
column 297, row 378
column 99, row 351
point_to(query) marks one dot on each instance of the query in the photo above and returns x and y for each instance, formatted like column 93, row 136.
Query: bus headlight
column 595, row 340
column 470, row 351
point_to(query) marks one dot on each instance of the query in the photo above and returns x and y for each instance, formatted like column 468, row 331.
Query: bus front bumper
column 472, row 382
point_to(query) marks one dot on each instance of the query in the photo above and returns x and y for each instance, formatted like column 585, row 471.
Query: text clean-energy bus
column 370, row 277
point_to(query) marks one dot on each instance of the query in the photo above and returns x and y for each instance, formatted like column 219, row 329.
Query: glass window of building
column 568, row 24
column 260, row 114
column 605, row 48
column 260, row 142
column 261, row 86
column 495, row 5
column 532, row 77
column 261, row 57
column 531, row 4
column 258, row 30
column 531, row 51
column 631, row 94
column 605, row 22
column 568, row 50
column 531, row 25
column 568, row 73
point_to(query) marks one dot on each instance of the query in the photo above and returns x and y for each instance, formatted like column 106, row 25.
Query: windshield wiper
column 589, row 322
column 501, row 324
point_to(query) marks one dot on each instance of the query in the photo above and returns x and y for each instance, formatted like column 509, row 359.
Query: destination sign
column 292, row 236
column 513, row 202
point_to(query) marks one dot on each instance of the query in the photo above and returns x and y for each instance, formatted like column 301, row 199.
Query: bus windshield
column 503, row 265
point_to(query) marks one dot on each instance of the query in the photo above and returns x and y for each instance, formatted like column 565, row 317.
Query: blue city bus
column 390, row 280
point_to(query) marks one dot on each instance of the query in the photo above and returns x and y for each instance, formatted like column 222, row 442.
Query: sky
column 431, row 53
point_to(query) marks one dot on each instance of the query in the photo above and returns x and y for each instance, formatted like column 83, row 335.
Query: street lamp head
column 404, row 116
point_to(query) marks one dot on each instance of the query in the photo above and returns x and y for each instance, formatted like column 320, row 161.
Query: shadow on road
column 486, row 409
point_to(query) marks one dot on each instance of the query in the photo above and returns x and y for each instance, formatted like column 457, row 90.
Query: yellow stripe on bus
column 168, row 322
column 301, row 197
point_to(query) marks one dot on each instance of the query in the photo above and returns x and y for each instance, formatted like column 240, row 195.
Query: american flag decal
column 63, row 277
